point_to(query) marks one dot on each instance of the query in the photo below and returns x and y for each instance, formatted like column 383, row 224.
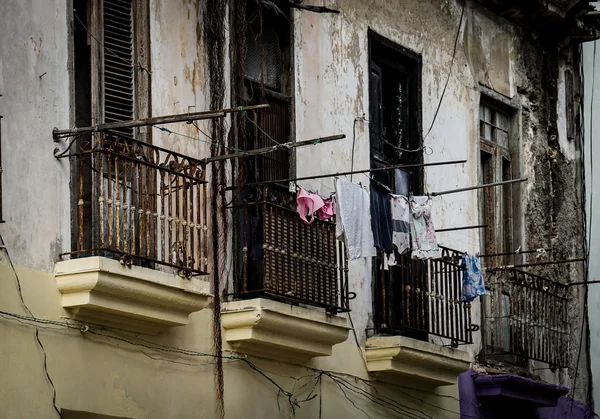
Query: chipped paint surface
column 331, row 96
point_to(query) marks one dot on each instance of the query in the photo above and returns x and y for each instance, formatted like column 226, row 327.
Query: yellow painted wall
column 102, row 374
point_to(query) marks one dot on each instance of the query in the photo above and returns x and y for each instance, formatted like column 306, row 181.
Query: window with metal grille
column 395, row 138
column 110, row 40
column 268, row 75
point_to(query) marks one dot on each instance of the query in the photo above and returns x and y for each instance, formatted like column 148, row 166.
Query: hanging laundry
column 308, row 203
column 472, row 284
column 381, row 218
column 327, row 210
column 353, row 225
column 424, row 241
column 400, row 225
column 401, row 182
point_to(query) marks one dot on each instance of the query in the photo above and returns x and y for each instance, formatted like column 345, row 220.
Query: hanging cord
column 37, row 330
column 245, row 114
column 428, row 151
column 587, row 242
column 462, row 13
column 212, row 143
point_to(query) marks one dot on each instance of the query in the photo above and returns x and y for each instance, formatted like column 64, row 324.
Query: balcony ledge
column 398, row 358
column 280, row 331
column 101, row 291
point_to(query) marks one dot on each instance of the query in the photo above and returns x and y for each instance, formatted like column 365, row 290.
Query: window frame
column 498, row 195
column 410, row 63
column 94, row 26
column 141, row 63
column 403, row 63
column 279, row 98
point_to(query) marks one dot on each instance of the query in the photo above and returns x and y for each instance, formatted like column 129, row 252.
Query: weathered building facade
column 118, row 235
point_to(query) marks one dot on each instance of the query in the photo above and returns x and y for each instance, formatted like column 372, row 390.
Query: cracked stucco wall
column 331, row 91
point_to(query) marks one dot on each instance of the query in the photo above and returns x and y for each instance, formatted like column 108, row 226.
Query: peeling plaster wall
column 331, row 97
column 35, row 86
column 331, row 87
column 592, row 175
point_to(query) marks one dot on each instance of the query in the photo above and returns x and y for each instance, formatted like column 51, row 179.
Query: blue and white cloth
column 473, row 285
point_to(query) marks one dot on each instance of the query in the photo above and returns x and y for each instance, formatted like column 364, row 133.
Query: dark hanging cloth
column 381, row 218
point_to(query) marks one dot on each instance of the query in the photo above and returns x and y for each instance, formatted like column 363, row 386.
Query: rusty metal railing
column 282, row 258
column 138, row 202
column 525, row 319
column 419, row 298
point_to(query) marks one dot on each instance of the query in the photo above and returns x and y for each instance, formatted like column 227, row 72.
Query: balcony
column 414, row 301
column 525, row 319
column 291, row 278
column 140, row 236
column 418, row 298
column 284, row 259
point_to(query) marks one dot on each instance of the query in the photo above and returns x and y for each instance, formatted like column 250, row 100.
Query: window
column 111, row 78
column 499, row 207
column 496, row 165
column 394, row 110
column 394, row 128
column 268, row 79
column 111, row 61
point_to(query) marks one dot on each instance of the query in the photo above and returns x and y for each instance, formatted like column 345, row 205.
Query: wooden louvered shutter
column 119, row 62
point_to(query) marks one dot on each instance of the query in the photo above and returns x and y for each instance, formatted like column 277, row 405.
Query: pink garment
column 327, row 210
column 308, row 204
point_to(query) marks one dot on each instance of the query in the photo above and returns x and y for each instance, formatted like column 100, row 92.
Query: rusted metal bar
column 80, row 204
column 526, row 320
column 167, row 119
column 513, row 253
column 441, row 230
column 264, row 150
column 86, row 252
column 140, row 218
column 288, row 259
column 595, row 281
column 555, row 262
column 393, row 167
column 470, row 188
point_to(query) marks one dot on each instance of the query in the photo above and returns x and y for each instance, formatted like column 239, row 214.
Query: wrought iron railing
column 419, row 298
column 525, row 319
column 282, row 258
column 138, row 202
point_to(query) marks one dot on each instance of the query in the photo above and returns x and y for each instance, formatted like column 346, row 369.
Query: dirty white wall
column 332, row 94
column 591, row 99
column 36, row 93
column 331, row 91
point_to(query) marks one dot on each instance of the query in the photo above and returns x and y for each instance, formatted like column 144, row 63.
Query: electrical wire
column 140, row 342
column 462, row 13
column 37, row 330
column 587, row 226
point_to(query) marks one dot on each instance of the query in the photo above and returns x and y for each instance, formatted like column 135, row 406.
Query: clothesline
column 338, row 174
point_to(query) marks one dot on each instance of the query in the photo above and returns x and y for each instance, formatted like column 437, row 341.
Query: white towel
column 424, row 241
column 353, row 225
column 400, row 225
